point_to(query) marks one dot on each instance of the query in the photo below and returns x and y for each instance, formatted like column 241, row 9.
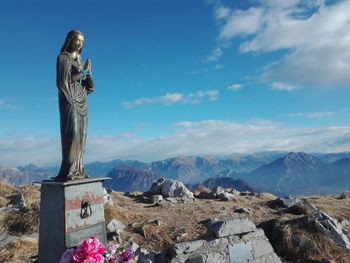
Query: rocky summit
column 165, row 226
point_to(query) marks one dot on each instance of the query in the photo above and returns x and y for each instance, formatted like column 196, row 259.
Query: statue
column 74, row 83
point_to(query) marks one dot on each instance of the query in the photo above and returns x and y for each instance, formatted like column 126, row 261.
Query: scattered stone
column 141, row 230
column 115, row 226
column 188, row 246
column 171, row 200
column 18, row 201
column 145, row 199
column 107, row 198
column 135, row 246
column 268, row 196
column 226, row 196
column 345, row 195
column 247, row 193
column 170, row 188
column 333, row 229
column 6, row 238
column 154, row 221
column 230, row 227
column 156, row 199
column 241, row 252
column 344, row 223
column 217, row 190
column 206, row 195
column 297, row 209
column 288, row 201
column 234, row 192
column 251, row 246
column 143, row 256
column 133, row 194
column 243, row 210
column 181, row 236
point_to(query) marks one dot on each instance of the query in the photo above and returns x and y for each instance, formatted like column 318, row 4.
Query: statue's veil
column 69, row 38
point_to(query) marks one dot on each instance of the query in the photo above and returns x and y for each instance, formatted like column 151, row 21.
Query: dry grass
column 180, row 222
column 293, row 236
column 31, row 194
column 333, row 206
column 20, row 250
column 6, row 191
column 22, row 222
column 299, row 241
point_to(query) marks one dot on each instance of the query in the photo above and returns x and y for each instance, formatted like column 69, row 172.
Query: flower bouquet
column 93, row 251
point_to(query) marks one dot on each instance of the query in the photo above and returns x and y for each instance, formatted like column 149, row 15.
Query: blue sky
column 190, row 77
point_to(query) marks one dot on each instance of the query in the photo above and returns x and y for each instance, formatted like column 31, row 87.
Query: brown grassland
column 157, row 227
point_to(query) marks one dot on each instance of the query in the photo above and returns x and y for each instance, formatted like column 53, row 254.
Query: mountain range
column 276, row 172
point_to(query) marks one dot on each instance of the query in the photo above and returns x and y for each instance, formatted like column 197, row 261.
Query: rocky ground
column 158, row 226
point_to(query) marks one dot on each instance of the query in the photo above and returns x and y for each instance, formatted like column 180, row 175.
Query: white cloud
column 241, row 22
column 187, row 138
column 283, row 86
column 174, row 98
column 218, row 66
column 215, row 55
column 315, row 35
column 312, row 115
column 222, row 12
column 4, row 104
column 235, row 87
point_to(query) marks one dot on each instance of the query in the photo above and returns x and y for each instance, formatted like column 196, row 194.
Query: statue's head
column 74, row 42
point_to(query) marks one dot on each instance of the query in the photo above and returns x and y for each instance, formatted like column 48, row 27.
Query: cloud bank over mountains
column 188, row 138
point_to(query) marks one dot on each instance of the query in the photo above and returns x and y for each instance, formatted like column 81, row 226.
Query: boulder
column 206, row 195
column 170, row 188
column 115, row 226
column 244, row 210
column 230, row 227
column 251, row 245
column 288, row 201
column 107, row 198
column 156, row 199
column 333, row 229
column 226, row 196
column 18, row 201
column 247, row 193
column 218, row 190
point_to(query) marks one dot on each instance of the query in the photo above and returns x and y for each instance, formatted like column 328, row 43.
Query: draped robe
column 73, row 108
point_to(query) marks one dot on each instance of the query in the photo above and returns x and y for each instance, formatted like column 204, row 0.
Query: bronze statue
column 74, row 83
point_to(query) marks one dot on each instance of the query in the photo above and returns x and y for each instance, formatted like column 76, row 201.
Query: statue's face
column 77, row 43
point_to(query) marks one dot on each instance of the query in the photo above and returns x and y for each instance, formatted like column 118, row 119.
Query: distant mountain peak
column 300, row 158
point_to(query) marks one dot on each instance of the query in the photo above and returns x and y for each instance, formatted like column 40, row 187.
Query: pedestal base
column 69, row 213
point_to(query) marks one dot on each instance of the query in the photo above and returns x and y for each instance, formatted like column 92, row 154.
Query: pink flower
column 67, row 255
column 113, row 249
column 78, row 255
column 93, row 246
column 112, row 259
column 94, row 258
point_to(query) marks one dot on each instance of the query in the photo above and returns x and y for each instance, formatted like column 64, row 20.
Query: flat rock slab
column 188, row 247
column 230, row 227
column 241, row 253
column 115, row 226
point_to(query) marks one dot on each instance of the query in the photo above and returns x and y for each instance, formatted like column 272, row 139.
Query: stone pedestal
column 69, row 213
